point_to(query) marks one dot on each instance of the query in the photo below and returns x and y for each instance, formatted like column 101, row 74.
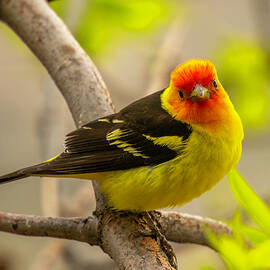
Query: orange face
column 187, row 75
column 195, row 94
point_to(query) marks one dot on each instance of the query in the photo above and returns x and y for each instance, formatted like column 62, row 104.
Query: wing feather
column 119, row 141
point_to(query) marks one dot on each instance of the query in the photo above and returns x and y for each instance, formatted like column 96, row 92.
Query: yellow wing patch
column 105, row 120
column 116, row 121
column 173, row 142
column 114, row 138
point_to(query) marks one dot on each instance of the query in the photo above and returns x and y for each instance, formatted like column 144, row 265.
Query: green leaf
column 259, row 257
column 231, row 251
column 250, row 201
column 242, row 230
column 235, row 251
column 252, row 234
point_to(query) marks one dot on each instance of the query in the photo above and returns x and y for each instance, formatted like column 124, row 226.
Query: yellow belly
column 206, row 161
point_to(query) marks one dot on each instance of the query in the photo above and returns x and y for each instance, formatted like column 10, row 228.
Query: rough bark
column 80, row 229
column 178, row 228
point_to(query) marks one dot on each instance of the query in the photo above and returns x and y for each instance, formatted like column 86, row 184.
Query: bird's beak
column 199, row 93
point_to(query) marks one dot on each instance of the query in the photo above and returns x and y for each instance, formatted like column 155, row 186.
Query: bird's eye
column 215, row 83
column 181, row 94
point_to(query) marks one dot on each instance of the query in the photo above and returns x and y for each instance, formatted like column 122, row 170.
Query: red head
column 195, row 95
column 196, row 71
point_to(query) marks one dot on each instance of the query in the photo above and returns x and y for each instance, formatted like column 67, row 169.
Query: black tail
column 23, row 173
column 13, row 176
column 55, row 167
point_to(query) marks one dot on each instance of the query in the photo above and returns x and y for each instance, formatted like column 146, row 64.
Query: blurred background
column 135, row 45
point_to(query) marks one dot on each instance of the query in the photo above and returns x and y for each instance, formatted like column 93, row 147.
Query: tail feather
column 13, row 176
column 60, row 166
column 23, row 173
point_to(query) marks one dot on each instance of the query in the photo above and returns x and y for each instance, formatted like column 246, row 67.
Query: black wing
column 118, row 141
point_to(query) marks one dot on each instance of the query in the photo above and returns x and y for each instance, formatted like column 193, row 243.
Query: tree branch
column 71, row 69
column 185, row 228
column 80, row 229
column 179, row 228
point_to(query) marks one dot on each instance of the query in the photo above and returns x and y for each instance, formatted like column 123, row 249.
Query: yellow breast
column 206, row 161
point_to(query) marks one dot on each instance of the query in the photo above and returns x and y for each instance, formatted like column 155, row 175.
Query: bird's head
column 195, row 94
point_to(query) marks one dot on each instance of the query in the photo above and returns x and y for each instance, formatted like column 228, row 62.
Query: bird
column 160, row 151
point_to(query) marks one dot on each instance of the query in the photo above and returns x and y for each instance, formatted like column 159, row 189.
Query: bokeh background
column 135, row 45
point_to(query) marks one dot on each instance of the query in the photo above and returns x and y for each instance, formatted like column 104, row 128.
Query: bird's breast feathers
column 204, row 161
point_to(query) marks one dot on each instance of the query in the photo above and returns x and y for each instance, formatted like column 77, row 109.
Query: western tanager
column 160, row 151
